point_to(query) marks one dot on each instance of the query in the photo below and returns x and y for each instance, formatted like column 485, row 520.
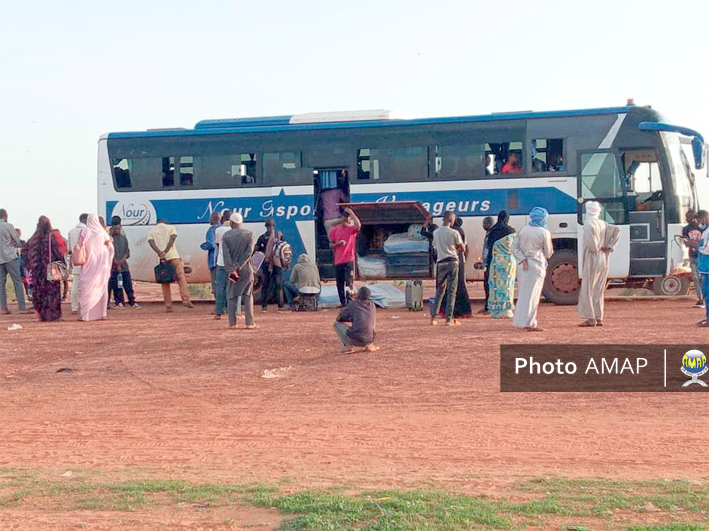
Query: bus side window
column 504, row 158
column 168, row 171
column 548, row 155
column 244, row 167
column 462, row 161
column 367, row 164
column 186, row 171
column 121, row 173
column 281, row 168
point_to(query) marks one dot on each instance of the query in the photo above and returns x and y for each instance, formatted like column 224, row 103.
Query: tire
column 561, row 285
column 672, row 286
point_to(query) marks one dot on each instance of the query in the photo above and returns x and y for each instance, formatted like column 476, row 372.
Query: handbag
column 78, row 253
column 165, row 272
column 56, row 271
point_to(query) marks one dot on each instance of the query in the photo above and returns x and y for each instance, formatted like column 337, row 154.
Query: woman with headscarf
column 532, row 248
column 501, row 267
column 599, row 240
column 43, row 248
column 96, row 271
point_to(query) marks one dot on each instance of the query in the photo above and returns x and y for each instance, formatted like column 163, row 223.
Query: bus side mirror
column 699, row 152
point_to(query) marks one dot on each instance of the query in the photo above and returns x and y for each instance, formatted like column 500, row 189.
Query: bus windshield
column 682, row 175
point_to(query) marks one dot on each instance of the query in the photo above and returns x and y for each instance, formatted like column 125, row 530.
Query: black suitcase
column 165, row 272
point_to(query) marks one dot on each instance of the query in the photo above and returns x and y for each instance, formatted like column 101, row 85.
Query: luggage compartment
column 390, row 245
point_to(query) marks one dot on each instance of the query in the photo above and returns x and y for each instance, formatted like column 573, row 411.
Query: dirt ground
column 183, row 395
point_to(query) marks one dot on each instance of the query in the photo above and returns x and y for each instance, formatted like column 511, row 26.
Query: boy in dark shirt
column 363, row 316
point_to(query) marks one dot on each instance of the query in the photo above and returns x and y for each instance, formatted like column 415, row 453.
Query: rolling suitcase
column 414, row 295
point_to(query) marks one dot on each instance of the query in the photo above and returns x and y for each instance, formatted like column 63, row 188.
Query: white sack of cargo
column 371, row 267
column 402, row 243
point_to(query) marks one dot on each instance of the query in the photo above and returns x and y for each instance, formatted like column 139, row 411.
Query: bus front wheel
column 561, row 285
column 672, row 286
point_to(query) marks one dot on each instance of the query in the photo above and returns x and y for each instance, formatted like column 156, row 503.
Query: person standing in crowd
column 362, row 313
column 221, row 275
column 599, row 240
column 532, row 248
column 74, row 235
column 62, row 247
column 501, row 268
column 162, row 240
column 305, row 278
column 702, row 247
column 343, row 239
column 448, row 245
column 691, row 231
column 238, row 246
column 96, row 272
column 10, row 264
column 488, row 222
column 210, row 245
column 272, row 274
column 43, row 249
column 462, row 299
column 22, row 258
column 120, row 272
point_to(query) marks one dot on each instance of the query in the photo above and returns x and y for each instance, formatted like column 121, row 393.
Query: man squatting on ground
column 362, row 313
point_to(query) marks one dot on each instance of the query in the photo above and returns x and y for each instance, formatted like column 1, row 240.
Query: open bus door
column 327, row 181
column 601, row 181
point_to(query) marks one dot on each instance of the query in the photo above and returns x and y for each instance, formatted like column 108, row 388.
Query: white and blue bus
column 629, row 158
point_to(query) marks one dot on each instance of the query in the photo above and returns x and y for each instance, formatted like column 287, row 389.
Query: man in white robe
column 599, row 240
column 532, row 247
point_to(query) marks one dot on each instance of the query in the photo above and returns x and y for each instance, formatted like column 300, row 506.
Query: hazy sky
column 71, row 71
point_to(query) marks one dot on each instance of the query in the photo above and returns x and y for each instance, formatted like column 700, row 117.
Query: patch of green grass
column 201, row 292
column 539, row 503
column 667, row 527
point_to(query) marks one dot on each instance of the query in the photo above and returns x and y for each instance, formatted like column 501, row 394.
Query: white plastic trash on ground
column 14, row 327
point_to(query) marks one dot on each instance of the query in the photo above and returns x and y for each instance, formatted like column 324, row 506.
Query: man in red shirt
column 343, row 239
column 512, row 165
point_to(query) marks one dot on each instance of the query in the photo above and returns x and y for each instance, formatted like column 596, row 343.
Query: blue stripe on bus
column 292, row 208
column 373, row 124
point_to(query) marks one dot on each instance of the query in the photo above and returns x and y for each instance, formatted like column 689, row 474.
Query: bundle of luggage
column 395, row 254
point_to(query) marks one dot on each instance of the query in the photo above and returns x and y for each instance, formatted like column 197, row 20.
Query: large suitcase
column 414, row 295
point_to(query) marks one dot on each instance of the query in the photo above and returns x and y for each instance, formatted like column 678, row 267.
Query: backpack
column 282, row 253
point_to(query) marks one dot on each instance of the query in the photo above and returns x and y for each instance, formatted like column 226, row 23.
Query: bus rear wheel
column 672, row 286
column 561, row 285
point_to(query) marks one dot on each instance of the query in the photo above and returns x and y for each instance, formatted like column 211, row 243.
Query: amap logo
column 131, row 213
column 694, row 365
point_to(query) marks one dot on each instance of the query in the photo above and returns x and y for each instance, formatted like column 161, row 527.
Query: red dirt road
column 182, row 393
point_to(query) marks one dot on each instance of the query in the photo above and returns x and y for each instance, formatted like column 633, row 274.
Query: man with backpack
column 277, row 254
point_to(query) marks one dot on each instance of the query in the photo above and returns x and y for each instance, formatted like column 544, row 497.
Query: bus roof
column 367, row 119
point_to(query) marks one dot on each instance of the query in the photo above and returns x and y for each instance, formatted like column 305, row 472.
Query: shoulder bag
column 56, row 270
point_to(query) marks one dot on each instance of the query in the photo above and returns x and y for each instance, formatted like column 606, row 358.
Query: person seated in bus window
column 539, row 165
column 557, row 163
column 512, row 166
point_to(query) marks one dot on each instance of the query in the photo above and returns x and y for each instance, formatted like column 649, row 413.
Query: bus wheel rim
column 565, row 277
column 671, row 285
